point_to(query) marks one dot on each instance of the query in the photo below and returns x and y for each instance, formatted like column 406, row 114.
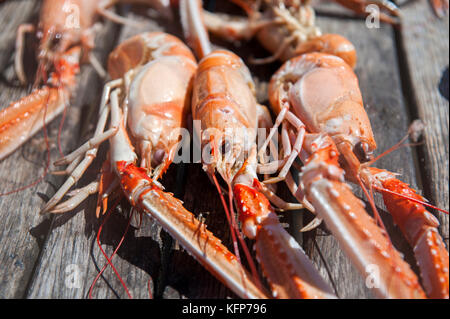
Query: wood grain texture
column 13, row 14
column 425, row 44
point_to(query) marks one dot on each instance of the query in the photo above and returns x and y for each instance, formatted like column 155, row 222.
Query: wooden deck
column 401, row 76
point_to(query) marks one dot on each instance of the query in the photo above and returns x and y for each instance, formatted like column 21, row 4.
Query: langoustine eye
column 363, row 152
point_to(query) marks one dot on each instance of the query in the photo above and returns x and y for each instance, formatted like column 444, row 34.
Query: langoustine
column 66, row 33
column 63, row 35
column 148, row 100
column 335, row 112
column 225, row 106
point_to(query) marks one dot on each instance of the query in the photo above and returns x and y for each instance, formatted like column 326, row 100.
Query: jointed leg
column 100, row 126
column 301, row 132
column 77, row 197
column 272, row 132
column 69, row 169
column 298, row 193
column 89, row 157
column 277, row 201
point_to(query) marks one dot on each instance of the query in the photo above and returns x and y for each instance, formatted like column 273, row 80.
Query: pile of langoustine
column 327, row 130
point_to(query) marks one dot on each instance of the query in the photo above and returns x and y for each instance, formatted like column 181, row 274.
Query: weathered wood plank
column 13, row 14
column 425, row 41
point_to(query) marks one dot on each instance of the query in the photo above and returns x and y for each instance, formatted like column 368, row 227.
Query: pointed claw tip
column 59, row 210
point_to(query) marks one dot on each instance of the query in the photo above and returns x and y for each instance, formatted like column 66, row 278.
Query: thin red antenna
column 415, row 127
column 230, row 223
column 390, row 150
column 149, row 287
column 371, row 200
column 115, row 251
column 384, row 190
column 415, row 130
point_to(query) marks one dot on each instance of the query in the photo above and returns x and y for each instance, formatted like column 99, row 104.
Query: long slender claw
column 290, row 272
column 312, row 225
column 286, row 266
column 77, row 196
column 359, row 236
column 420, row 229
column 363, row 241
column 191, row 233
column 24, row 118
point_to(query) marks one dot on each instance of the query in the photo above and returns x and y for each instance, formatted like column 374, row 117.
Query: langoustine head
column 63, row 24
column 324, row 93
column 160, row 68
column 225, row 105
